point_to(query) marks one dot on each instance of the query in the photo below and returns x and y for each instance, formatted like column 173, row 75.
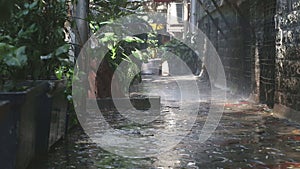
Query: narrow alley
column 248, row 136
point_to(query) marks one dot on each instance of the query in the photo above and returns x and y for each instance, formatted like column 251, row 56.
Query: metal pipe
column 82, row 34
column 81, row 23
column 193, row 15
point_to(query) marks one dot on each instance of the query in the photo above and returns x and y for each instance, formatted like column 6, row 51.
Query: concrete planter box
column 8, row 136
column 31, row 118
column 59, row 108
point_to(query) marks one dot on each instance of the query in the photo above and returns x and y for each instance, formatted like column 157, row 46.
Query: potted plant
column 32, row 47
column 26, row 98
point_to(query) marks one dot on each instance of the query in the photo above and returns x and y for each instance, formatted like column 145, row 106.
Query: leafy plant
column 121, row 47
column 103, row 12
column 12, row 60
column 33, row 40
column 5, row 8
column 125, row 51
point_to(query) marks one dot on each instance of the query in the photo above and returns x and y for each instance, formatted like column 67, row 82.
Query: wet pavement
column 248, row 136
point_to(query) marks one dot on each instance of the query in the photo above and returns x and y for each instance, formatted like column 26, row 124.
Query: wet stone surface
column 248, row 136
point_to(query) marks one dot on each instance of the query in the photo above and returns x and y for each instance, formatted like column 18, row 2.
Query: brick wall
column 288, row 54
column 260, row 49
column 242, row 44
column 226, row 42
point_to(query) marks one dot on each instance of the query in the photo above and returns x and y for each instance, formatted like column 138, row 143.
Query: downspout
column 81, row 36
column 81, row 13
column 193, row 15
column 185, row 18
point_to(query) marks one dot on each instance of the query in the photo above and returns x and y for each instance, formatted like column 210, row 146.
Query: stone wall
column 208, row 26
column 259, row 45
column 237, row 41
column 260, row 15
column 288, row 54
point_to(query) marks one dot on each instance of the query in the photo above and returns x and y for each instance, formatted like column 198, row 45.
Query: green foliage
column 12, row 60
column 33, row 40
column 121, row 47
column 13, row 56
column 125, row 50
column 107, row 11
column 5, row 8
column 66, row 73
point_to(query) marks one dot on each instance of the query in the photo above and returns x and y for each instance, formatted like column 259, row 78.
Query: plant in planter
column 25, row 98
column 32, row 47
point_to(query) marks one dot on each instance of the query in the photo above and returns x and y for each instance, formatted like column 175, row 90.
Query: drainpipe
column 81, row 36
column 185, row 18
column 81, row 23
column 193, row 15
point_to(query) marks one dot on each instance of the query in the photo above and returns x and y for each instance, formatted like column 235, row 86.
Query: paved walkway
column 248, row 136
